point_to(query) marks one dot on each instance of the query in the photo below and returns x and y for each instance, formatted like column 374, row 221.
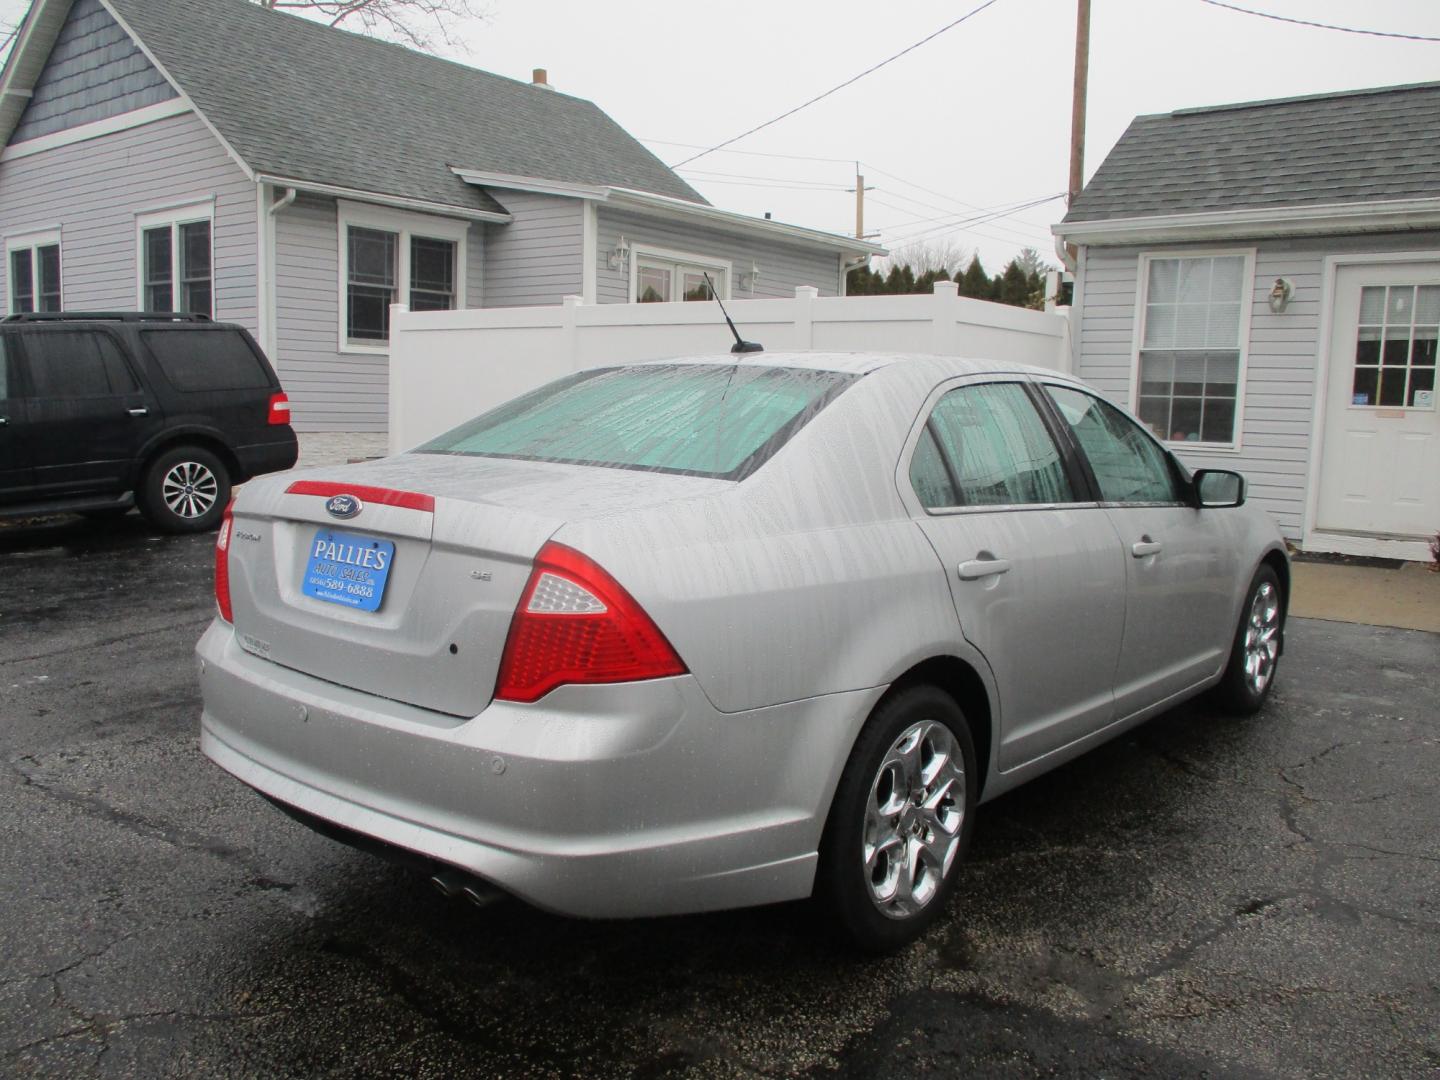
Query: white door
column 1380, row 464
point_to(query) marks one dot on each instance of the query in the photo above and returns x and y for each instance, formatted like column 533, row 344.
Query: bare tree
column 924, row 255
column 424, row 24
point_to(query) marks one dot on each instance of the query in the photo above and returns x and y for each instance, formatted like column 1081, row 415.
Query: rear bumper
column 628, row 800
column 267, row 457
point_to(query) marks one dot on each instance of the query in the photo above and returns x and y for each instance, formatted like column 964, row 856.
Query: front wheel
column 901, row 820
column 185, row 490
column 1255, row 652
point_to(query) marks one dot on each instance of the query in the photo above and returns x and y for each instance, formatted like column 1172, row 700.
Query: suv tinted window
column 196, row 360
column 720, row 420
column 75, row 363
column 999, row 451
column 1128, row 464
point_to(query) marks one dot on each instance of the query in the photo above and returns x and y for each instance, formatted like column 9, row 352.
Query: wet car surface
column 1203, row 896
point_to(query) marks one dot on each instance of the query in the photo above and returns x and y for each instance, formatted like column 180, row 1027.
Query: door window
column 1128, row 464
column 1395, row 346
column 992, row 449
column 76, row 363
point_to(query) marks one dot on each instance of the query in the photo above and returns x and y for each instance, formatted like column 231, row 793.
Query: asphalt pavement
column 1203, row 897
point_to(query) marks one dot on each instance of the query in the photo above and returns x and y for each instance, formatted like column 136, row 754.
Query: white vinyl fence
column 447, row 366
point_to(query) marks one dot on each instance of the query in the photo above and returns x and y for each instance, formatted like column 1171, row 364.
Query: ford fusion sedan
column 680, row 636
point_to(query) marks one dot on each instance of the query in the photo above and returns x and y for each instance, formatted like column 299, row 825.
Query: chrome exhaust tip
column 448, row 883
column 480, row 894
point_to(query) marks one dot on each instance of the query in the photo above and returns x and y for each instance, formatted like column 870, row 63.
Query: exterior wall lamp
column 750, row 278
column 1280, row 295
column 618, row 258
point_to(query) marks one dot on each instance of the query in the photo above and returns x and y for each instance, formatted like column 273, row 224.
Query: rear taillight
column 577, row 624
column 222, row 564
column 279, row 409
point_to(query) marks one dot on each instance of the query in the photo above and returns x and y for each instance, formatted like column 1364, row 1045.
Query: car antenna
column 741, row 345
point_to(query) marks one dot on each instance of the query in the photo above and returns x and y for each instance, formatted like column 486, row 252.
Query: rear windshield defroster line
column 721, row 421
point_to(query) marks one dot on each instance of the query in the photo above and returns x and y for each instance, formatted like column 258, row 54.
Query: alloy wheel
column 1262, row 638
column 189, row 489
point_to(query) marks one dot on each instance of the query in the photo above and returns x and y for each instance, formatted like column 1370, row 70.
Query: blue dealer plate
column 344, row 568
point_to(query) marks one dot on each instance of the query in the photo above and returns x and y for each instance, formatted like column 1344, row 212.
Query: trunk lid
column 464, row 538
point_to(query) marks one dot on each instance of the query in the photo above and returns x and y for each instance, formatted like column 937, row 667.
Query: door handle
column 1145, row 546
column 141, row 411
column 979, row 568
column 4, row 421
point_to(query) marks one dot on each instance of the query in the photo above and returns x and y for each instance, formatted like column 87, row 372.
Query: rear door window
column 76, row 363
column 201, row 359
column 718, row 420
column 997, row 448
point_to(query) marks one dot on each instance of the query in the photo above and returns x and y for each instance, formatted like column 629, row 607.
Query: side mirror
column 1218, row 488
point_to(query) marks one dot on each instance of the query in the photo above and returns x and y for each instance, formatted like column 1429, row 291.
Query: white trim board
column 1374, row 547
column 200, row 209
column 97, row 128
column 1253, row 223
column 398, row 202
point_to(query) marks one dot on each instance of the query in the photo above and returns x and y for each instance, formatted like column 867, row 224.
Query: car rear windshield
column 197, row 360
column 717, row 420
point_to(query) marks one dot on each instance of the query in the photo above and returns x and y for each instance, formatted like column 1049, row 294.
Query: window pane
column 1400, row 305
column 1427, row 304
column 22, row 283
column 432, row 274
column 49, row 259
column 1128, row 465
column 67, row 363
column 371, row 272
column 652, row 285
column 1157, row 373
column 1227, row 282
column 1367, row 380
column 928, row 475
column 711, row 420
column 1421, row 379
column 1185, row 420
column 1219, row 420
column 195, row 250
column 1422, row 354
column 696, row 287
column 1164, row 275
column 1160, row 326
column 1392, row 386
column 1367, row 348
column 1194, row 286
column 157, row 273
column 1372, row 305
column 1155, row 413
column 1396, row 350
column 999, row 448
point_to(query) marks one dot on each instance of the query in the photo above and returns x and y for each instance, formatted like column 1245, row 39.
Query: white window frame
column 174, row 217
column 34, row 241
column 680, row 260
column 1247, row 304
column 405, row 224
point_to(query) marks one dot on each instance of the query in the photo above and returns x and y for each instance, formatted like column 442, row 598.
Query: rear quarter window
column 200, row 360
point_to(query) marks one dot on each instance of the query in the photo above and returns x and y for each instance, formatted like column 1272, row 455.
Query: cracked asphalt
column 1203, row 897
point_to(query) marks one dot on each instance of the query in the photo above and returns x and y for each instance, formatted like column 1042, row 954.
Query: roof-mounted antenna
column 741, row 345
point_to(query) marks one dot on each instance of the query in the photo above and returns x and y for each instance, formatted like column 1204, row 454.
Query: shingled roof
column 302, row 101
column 1353, row 147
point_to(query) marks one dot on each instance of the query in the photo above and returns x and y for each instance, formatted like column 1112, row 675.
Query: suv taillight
column 577, row 624
column 279, row 409
column 222, row 564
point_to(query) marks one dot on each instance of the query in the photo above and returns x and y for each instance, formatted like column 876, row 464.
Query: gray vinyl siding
column 536, row 258
column 782, row 266
column 93, row 191
column 1280, row 365
column 94, row 72
column 331, row 390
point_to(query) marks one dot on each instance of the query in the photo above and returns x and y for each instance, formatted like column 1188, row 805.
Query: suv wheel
column 185, row 489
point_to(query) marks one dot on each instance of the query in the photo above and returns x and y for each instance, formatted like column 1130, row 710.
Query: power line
column 931, row 191
column 706, row 176
column 1030, row 238
column 752, row 153
column 948, row 211
column 1319, row 25
column 977, row 220
column 834, row 89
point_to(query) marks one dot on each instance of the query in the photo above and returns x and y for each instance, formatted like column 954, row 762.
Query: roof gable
column 1356, row 147
column 303, row 101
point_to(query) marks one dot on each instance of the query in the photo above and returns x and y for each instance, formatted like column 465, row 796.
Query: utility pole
column 1077, row 111
column 860, row 190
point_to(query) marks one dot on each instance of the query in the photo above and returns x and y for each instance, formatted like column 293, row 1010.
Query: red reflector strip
column 409, row 500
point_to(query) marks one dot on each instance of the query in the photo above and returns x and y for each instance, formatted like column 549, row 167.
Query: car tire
column 1255, row 651
column 185, row 490
column 888, row 862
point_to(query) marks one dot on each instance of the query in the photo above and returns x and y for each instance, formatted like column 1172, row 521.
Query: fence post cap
column 572, row 301
column 806, row 291
column 946, row 288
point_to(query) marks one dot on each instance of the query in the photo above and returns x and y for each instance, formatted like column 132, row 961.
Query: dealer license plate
column 348, row 569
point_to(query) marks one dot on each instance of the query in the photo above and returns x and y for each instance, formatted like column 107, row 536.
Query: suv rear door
column 87, row 413
column 219, row 377
column 15, row 474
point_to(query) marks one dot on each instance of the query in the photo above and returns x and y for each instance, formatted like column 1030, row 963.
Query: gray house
column 1260, row 283
column 224, row 158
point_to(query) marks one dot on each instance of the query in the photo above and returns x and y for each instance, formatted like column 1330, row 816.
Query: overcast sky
column 977, row 118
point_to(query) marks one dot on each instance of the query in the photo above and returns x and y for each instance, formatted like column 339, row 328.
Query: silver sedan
column 681, row 636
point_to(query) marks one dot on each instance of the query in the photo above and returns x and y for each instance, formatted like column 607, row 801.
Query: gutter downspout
column 284, row 201
column 270, row 335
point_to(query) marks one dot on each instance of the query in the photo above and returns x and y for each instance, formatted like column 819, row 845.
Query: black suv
column 102, row 411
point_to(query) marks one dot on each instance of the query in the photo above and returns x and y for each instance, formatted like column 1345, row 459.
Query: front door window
column 1395, row 346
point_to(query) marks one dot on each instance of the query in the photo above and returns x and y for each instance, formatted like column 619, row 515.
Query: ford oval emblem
column 343, row 506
